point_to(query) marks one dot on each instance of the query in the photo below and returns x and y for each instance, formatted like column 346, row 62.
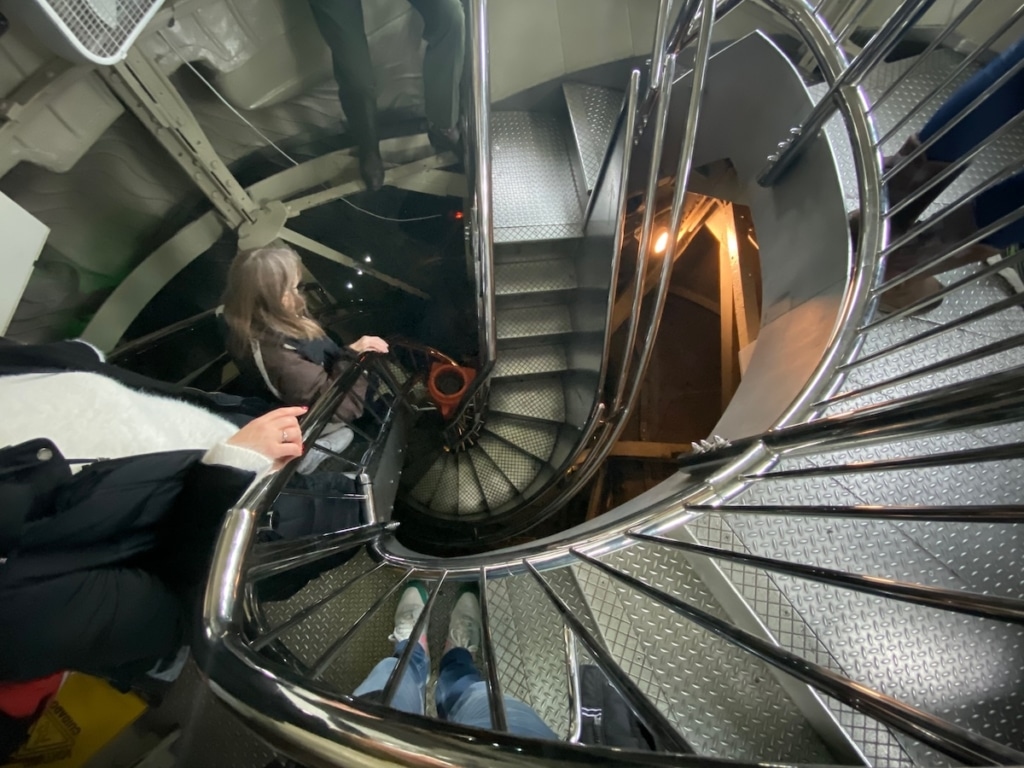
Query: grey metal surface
column 554, row 274
column 471, row 496
column 535, row 438
column 497, row 488
column 527, row 361
column 593, row 112
column 424, row 490
column 537, row 399
column 517, row 465
column 529, row 648
column 524, row 322
column 311, row 638
column 724, row 702
column 535, row 191
column 757, row 588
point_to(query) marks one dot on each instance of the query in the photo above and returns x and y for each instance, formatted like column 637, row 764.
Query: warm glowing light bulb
column 662, row 242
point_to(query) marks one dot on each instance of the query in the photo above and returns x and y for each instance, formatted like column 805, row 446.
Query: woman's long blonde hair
column 254, row 301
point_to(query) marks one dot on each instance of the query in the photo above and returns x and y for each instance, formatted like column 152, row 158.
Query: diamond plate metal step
column 533, row 437
column 536, row 192
column 593, row 113
column 471, row 495
column 535, row 399
column 424, row 490
column 497, row 488
column 725, row 702
column 531, row 361
column 555, row 274
column 518, row 466
column 529, row 322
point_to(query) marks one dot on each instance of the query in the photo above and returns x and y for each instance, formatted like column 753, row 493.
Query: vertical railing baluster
column 572, row 672
column 665, row 734
column 495, row 698
column 395, row 678
column 323, row 663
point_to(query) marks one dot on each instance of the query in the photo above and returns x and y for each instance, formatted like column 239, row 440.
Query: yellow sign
column 82, row 718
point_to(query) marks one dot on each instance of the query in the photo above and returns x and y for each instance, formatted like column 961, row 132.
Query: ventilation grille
column 98, row 31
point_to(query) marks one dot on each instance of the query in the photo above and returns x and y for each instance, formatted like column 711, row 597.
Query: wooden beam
column 742, row 274
column 696, row 298
column 693, row 222
column 730, row 367
column 639, row 449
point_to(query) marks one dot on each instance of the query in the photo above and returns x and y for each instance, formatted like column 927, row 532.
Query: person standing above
column 341, row 24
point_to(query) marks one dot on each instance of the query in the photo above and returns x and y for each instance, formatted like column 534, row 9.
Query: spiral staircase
column 834, row 579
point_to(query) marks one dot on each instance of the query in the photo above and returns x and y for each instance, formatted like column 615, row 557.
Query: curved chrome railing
column 309, row 721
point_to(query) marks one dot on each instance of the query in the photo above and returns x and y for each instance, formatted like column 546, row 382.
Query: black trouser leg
column 341, row 24
column 444, row 29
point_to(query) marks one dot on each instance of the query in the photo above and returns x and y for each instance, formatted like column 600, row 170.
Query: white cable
column 271, row 142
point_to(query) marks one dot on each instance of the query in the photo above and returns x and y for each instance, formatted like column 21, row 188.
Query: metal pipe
column 981, row 314
column 957, row 601
column 269, row 637
column 621, row 411
column 1006, row 452
column 995, row 348
column 279, row 556
column 572, row 673
column 650, row 196
column 960, row 513
column 988, row 271
column 848, row 27
column 495, row 698
column 958, row 248
column 905, row 16
column 942, row 735
column 947, row 175
column 323, row 663
column 658, row 52
column 629, row 132
column 934, row 44
column 483, row 221
column 118, row 354
column 954, row 75
column 664, row 733
column 925, row 145
column 398, row 671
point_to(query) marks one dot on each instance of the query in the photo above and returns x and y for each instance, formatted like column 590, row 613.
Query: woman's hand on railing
column 369, row 344
column 276, row 435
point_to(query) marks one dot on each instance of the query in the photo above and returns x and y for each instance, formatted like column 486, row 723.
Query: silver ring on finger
column 284, row 436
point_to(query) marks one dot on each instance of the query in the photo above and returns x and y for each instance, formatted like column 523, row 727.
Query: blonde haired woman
column 270, row 332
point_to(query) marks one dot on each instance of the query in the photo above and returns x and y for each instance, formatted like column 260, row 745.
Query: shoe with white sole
column 337, row 441
column 465, row 628
column 410, row 606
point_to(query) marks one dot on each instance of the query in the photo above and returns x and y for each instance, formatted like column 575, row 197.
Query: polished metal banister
column 482, row 221
column 905, row 16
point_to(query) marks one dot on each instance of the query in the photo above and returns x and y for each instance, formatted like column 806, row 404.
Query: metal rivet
column 44, row 454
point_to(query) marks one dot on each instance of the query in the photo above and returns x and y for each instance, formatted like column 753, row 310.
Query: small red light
column 458, row 215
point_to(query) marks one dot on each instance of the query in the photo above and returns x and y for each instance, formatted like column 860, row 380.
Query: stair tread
column 534, row 437
column 497, row 488
column 532, row 360
column 536, row 196
column 556, row 274
column 594, row 112
column 535, row 398
column 526, row 322
column 518, row 466
column 471, row 497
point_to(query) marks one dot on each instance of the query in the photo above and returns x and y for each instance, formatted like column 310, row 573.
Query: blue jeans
column 461, row 694
column 977, row 125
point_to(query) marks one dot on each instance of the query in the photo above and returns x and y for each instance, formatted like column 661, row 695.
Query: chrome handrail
column 482, row 221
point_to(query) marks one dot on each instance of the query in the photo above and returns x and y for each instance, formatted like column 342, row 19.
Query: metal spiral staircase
column 835, row 582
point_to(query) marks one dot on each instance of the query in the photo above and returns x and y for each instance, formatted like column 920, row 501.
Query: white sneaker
column 337, row 441
column 465, row 627
column 410, row 606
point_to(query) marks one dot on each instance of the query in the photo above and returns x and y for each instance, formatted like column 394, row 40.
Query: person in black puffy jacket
column 113, row 488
